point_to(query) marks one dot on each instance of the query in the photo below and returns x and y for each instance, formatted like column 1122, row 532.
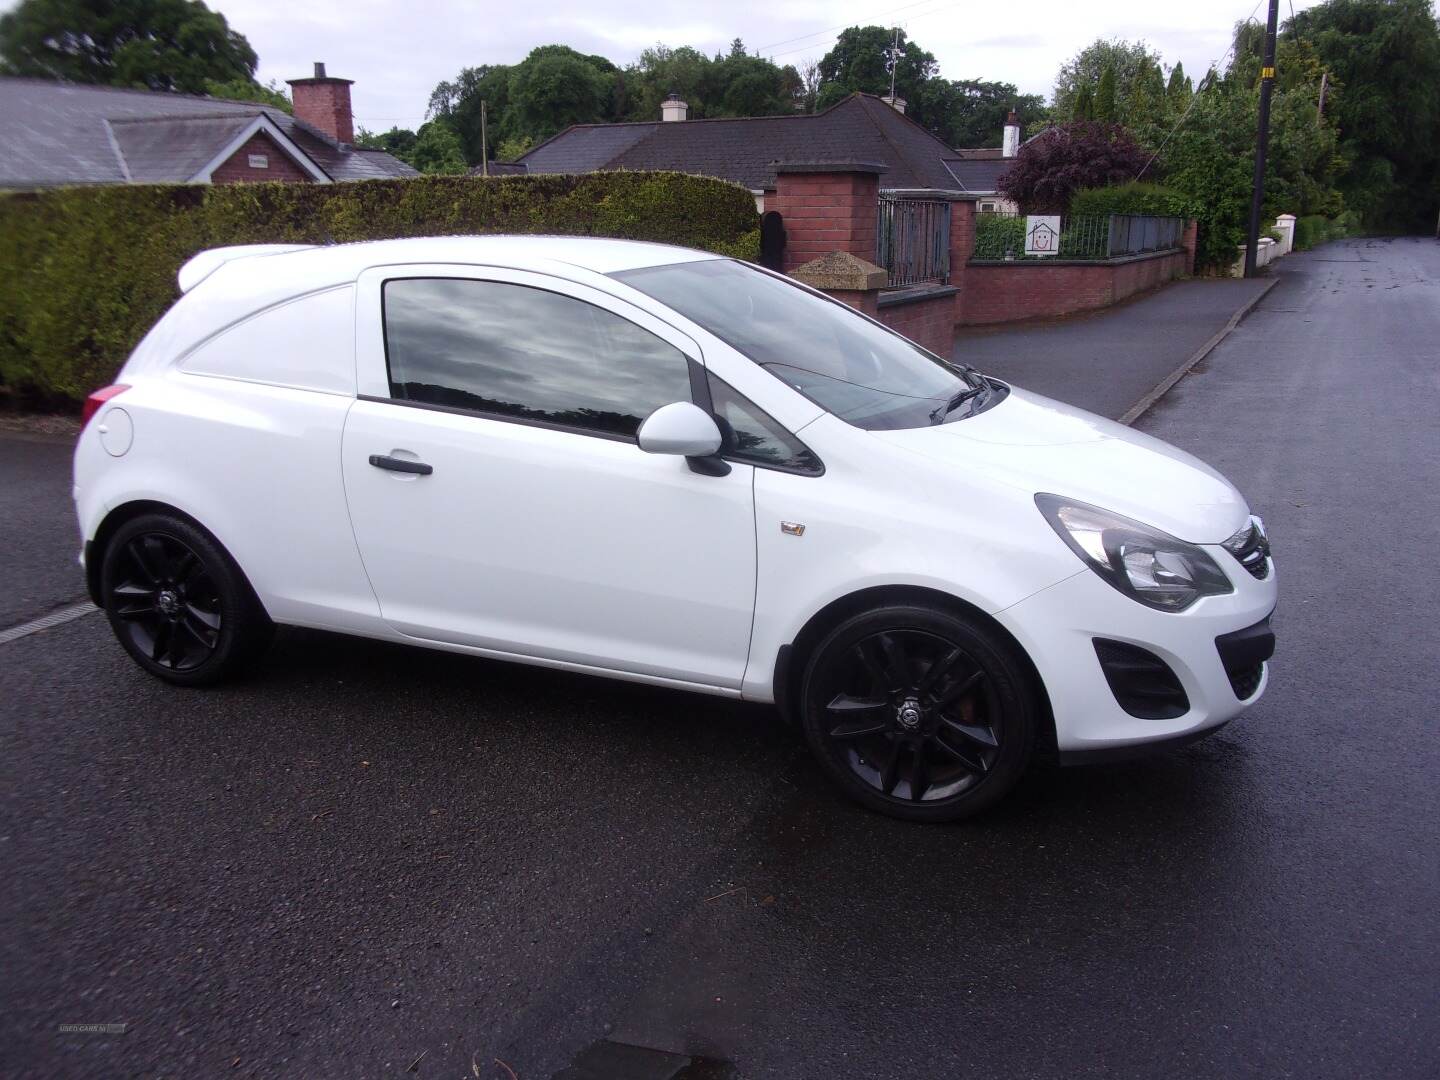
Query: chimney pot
column 319, row 69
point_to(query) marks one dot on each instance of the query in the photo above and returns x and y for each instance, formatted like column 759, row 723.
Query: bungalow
column 56, row 133
column 746, row 150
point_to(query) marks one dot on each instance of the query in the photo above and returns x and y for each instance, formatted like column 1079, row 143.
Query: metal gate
column 912, row 239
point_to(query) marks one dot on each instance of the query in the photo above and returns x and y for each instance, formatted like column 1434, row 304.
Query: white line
column 45, row 622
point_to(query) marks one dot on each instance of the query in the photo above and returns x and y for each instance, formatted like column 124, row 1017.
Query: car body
column 268, row 408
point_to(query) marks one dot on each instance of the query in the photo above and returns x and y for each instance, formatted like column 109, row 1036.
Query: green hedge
column 1132, row 198
column 87, row 271
column 1313, row 229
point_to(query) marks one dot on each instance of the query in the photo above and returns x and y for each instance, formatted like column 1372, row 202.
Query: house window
column 987, row 207
column 259, row 161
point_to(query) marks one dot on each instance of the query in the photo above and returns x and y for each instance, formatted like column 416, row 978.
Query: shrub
column 1132, row 198
column 1062, row 160
column 87, row 271
column 997, row 235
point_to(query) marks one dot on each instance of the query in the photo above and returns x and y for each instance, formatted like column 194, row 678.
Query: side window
column 513, row 350
column 752, row 435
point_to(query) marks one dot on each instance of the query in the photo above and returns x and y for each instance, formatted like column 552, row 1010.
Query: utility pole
column 1262, row 139
column 1320, row 109
column 484, row 145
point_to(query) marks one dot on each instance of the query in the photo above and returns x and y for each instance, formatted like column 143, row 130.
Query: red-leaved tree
column 1056, row 164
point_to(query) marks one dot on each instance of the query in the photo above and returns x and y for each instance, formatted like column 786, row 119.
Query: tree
column 1383, row 61
column 1126, row 59
column 1178, row 91
column 1065, row 158
column 861, row 59
column 437, row 149
column 977, row 112
column 1082, row 106
column 397, row 141
column 270, row 93
column 1105, row 110
column 155, row 44
column 555, row 86
column 458, row 103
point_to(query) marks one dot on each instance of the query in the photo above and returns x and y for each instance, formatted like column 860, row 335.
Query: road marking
column 45, row 622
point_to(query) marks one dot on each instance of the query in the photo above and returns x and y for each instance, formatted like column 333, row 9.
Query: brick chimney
column 1011, row 142
column 672, row 108
column 324, row 103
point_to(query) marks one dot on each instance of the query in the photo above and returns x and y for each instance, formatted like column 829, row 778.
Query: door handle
column 395, row 464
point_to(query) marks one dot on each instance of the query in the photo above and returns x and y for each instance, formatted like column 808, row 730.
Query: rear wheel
column 919, row 713
column 178, row 603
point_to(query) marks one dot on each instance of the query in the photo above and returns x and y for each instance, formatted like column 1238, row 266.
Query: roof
column 499, row 168
column 860, row 128
column 60, row 133
column 979, row 176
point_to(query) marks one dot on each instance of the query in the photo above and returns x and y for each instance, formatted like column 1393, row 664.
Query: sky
column 397, row 52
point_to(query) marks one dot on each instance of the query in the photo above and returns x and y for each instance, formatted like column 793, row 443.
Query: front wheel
column 178, row 603
column 920, row 713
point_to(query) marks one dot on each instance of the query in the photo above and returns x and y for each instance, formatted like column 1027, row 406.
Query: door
column 499, row 499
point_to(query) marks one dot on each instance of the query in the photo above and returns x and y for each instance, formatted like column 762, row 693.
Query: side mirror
column 679, row 428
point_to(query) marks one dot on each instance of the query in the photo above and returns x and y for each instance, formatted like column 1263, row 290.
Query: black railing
column 1002, row 235
column 912, row 240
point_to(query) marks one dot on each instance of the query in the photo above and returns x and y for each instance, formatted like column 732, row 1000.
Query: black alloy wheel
column 177, row 602
column 919, row 713
column 167, row 601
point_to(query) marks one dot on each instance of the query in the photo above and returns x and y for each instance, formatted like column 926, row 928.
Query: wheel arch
column 128, row 511
column 791, row 660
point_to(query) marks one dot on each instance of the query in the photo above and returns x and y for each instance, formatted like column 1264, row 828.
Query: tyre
column 178, row 603
column 919, row 713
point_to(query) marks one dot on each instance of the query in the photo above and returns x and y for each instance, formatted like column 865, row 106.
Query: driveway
column 367, row 860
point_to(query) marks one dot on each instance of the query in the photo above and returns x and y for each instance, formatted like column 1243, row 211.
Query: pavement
column 1107, row 361
column 371, row 860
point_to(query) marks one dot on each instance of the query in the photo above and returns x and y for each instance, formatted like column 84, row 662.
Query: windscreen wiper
column 955, row 402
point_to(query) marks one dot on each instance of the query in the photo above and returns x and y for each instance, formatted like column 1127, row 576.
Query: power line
column 831, row 40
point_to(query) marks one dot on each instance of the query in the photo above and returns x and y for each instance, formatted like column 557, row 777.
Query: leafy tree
column 1178, row 91
column 861, row 59
column 270, row 93
column 397, row 141
column 1126, row 59
column 1383, row 60
column 555, row 86
column 1068, row 157
column 1105, row 110
column 977, row 112
column 155, row 44
column 437, row 149
column 510, row 149
column 458, row 103
column 1082, row 106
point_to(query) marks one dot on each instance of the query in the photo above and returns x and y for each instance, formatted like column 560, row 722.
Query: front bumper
column 1058, row 628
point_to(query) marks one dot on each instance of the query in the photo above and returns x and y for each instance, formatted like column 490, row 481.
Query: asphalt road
column 39, row 540
column 365, row 853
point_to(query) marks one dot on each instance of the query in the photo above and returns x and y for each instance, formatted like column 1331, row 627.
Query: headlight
column 1144, row 563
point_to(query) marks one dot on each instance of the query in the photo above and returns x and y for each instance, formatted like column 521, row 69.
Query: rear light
column 98, row 398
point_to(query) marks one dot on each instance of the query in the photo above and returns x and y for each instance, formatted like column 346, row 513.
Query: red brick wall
column 825, row 212
column 1188, row 241
column 236, row 169
column 867, row 301
column 1029, row 290
column 930, row 323
column 325, row 104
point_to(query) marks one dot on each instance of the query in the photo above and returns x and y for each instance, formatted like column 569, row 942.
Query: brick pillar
column 962, row 246
column 848, row 278
column 1188, row 242
column 827, row 206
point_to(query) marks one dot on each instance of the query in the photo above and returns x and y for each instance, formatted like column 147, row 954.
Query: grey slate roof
column 860, row 128
column 59, row 133
column 979, row 176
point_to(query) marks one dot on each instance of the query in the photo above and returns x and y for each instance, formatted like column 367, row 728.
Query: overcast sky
column 397, row 52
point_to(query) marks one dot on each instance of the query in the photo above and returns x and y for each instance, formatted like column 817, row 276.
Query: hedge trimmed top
column 89, row 270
